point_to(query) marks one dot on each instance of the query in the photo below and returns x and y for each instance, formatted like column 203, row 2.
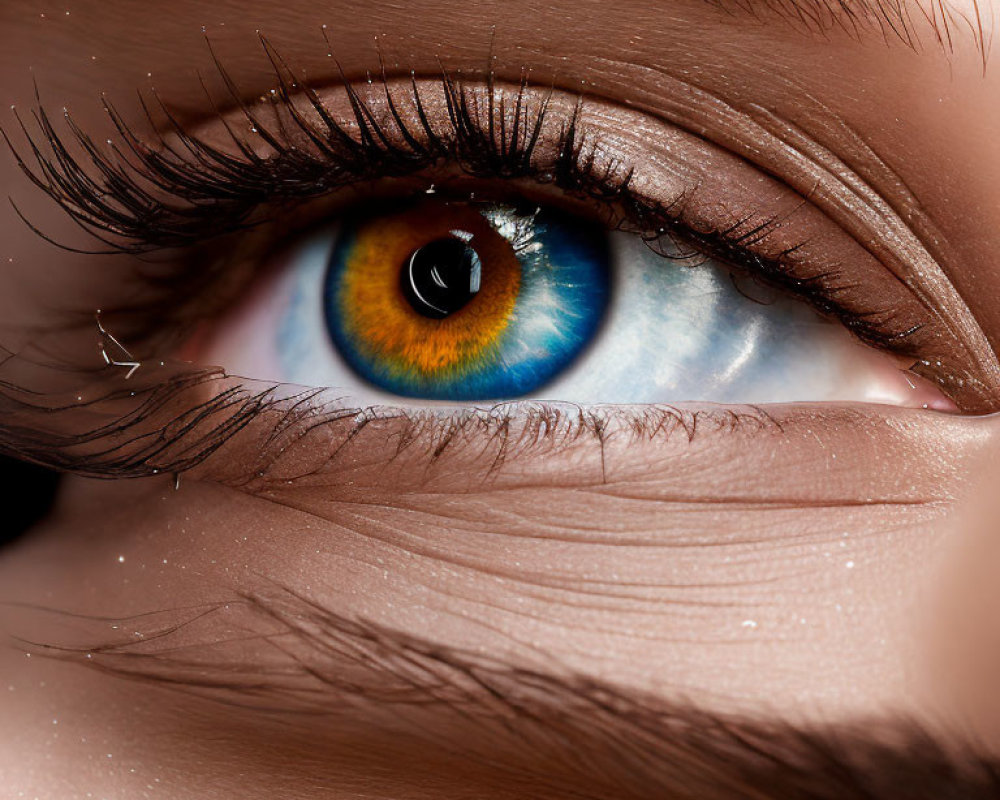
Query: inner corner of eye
column 432, row 300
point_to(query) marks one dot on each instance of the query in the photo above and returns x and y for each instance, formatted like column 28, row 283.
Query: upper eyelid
column 577, row 162
column 477, row 127
column 207, row 193
column 477, row 106
column 346, row 146
column 615, row 169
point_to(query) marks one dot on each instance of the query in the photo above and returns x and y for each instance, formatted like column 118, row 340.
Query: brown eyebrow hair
column 568, row 734
column 894, row 20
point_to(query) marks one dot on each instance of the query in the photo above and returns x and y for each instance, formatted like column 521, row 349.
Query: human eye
column 475, row 302
column 489, row 244
column 499, row 400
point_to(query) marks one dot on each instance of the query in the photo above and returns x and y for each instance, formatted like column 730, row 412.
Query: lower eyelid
column 659, row 454
column 314, row 439
column 262, row 437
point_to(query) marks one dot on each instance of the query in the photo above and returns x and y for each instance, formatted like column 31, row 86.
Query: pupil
column 441, row 277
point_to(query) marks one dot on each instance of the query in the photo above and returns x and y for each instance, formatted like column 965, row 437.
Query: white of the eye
column 673, row 333
column 676, row 332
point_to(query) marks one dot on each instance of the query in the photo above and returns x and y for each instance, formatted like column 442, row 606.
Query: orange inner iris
column 381, row 320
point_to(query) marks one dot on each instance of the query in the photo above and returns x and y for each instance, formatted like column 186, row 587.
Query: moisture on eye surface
column 452, row 301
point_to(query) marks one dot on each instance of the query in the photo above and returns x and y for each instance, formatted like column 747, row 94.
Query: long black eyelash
column 173, row 422
column 135, row 197
column 175, row 195
column 181, row 194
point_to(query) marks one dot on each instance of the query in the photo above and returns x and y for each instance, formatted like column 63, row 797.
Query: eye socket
column 472, row 302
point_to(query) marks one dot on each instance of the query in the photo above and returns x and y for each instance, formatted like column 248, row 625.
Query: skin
column 812, row 567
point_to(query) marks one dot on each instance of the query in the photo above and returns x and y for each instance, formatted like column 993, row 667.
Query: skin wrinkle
column 703, row 582
column 549, row 579
column 524, row 525
column 917, row 222
column 336, row 512
column 900, row 523
column 403, row 536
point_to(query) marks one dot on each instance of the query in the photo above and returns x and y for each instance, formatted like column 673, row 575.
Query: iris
column 465, row 301
column 476, row 303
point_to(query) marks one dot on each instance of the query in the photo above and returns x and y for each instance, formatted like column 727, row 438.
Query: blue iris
column 560, row 304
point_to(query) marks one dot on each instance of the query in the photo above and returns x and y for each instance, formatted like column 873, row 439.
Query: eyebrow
column 574, row 735
column 895, row 20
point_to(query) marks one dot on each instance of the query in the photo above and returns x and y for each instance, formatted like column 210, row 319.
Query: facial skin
column 270, row 626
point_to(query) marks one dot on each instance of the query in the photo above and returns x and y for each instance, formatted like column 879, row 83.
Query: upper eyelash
column 184, row 194
column 151, row 198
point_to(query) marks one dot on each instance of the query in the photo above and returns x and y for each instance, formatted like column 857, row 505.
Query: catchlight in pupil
column 465, row 301
column 441, row 277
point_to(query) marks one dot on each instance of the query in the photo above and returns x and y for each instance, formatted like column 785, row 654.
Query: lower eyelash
column 150, row 438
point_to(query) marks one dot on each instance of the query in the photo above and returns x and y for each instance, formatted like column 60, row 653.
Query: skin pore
column 612, row 609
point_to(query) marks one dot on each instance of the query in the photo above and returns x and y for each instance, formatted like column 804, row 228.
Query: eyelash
column 183, row 196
